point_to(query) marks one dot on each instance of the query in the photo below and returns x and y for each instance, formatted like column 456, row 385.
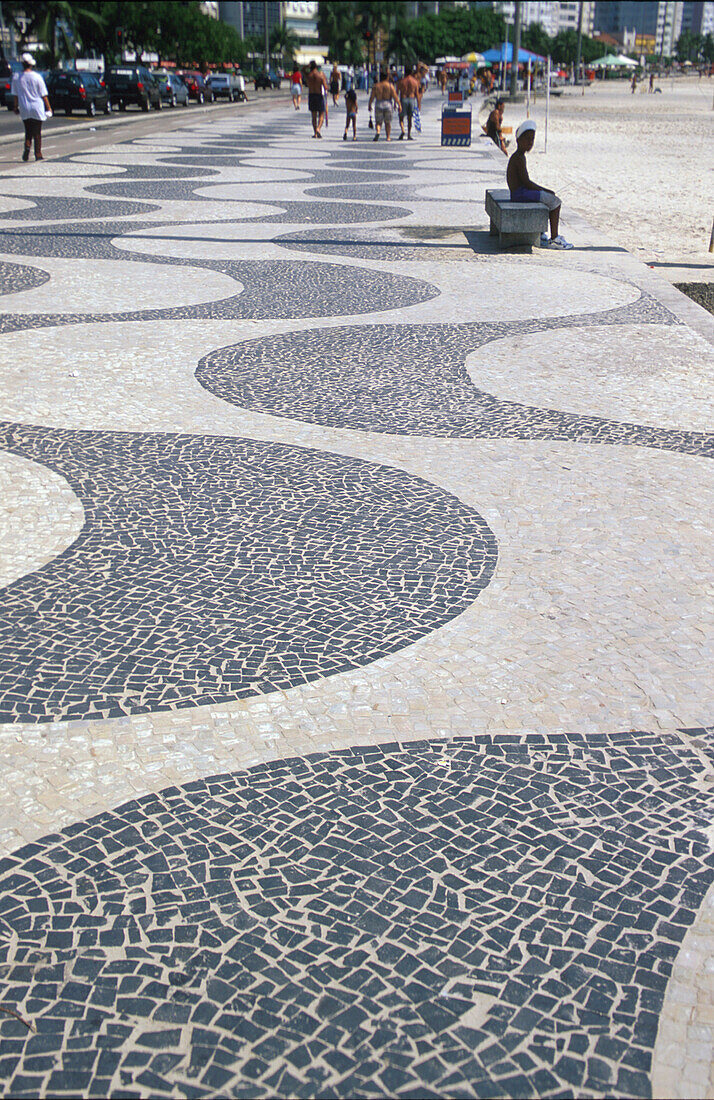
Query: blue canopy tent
column 504, row 53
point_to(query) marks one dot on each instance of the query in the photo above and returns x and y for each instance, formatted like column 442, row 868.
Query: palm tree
column 53, row 23
column 284, row 41
column 341, row 30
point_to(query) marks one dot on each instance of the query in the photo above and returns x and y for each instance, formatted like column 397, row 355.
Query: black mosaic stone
column 215, row 568
column 270, row 288
column 89, row 240
column 137, row 172
column 17, row 277
column 474, row 917
column 412, row 380
column 291, row 211
column 379, row 192
column 58, row 209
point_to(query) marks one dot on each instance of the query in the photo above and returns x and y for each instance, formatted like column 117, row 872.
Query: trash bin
column 456, row 125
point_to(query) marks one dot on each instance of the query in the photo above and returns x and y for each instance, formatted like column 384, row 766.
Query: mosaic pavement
column 355, row 693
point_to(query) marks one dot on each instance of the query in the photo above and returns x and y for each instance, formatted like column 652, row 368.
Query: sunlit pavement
column 354, row 680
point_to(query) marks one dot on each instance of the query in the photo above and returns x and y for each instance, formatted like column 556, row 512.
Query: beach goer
column 335, row 84
column 32, row 104
column 409, row 93
column 494, row 126
column 651, row 82
column 296, row 87
column 633, row 85
column 442, row 79
column 316, row 97
column 350, row 113
column 523, row 189
column 385, row 98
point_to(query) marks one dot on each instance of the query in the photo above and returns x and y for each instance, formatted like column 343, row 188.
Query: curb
column 102, row 122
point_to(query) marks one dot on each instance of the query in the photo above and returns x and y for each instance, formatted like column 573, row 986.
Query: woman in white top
column 31, row 104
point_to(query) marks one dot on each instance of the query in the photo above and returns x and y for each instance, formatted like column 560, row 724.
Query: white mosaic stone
column 596, row 620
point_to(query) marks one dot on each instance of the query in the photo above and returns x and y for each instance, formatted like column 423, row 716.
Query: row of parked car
column 128, row 85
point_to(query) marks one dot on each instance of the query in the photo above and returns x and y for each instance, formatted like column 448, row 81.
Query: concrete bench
column 515, row 222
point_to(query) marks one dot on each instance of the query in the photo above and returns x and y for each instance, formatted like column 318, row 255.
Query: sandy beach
column 639, row 167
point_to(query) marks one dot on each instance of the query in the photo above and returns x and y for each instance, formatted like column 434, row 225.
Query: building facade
column 553, row 15
column 660, row 20
column 247, row 17
column 698, row 16
column 300, row 16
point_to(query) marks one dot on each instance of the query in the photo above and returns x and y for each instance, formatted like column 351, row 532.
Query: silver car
column 224, row 85
column 172, row 88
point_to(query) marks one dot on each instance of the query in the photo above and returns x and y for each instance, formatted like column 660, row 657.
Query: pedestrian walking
column 316, row 97
column 31, row 103
column 385, row 98
column 335, row 84
column 351, row 113
column 409, row 93
column 296, row 87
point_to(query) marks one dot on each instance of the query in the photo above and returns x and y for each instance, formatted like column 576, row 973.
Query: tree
column 537, row 39
column 689, row 46
column 402, row 44
column 284, row 41
column 342, row 31
column 565, row 48
column 707, row 50
column 53, row 24
column 456, row 31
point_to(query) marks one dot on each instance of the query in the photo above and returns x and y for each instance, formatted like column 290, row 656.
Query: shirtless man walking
column 409, row 92
column 384, row 97
column 316, row 95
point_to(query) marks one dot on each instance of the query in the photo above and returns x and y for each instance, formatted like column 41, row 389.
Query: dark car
column 7, row 71
column 70, row 92
column 197, row 87
column 172, row 88
column 266, row 80
column 133, row 84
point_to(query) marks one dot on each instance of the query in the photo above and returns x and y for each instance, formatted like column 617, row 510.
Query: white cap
column 525, row 127
column 28, row 59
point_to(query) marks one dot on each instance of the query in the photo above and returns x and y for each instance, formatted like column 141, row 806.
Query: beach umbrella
column 474, row 58
column 623, row 60
column 504, row 52
column 609, row 61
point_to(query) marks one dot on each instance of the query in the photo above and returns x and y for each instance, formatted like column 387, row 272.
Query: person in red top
column 296, row 87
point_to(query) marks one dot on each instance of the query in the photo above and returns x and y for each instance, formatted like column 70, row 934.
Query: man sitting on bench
column 523, row 189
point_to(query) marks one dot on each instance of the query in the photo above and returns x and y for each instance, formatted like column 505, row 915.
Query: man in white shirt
column 31, row 104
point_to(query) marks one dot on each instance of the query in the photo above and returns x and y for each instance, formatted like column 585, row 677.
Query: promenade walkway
column 355, row 662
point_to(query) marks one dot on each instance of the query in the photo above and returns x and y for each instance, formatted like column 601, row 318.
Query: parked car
column 224, row 86
column 133, row 84
column 70, row 91
column 171, row 87
column 266, row 80
column 197, row 87
column 7, row 71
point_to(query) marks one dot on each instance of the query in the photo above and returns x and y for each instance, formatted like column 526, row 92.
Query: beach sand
column 638, row 167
